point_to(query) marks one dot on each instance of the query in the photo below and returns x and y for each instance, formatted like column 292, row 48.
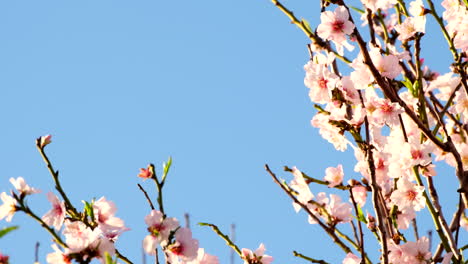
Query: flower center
column 386, row 108
column 322, row 83
column 416, row 154
column 177, row 250
column 155, row 230
column 411, row 195
column 337, row 26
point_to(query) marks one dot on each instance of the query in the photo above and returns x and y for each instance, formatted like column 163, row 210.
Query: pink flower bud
column 45, row 140
column 146, row 173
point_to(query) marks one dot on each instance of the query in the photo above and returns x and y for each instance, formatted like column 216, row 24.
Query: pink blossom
column 159, row 229
column 408, row 195
column 417, row 252
column 349, row 91
column 58, row 256
column 410, row 27
column 45, row 140
column 360, row 195
column 340, row 212
column 396, row 252
column 320, row 81
column 258, row 256
column 405, row 217
column 101, row 246
column 351, row 259
column 78, row 236
column 461, row 105
column 8, row 208
column 321, row 201
column 444, row 84
column 299, row 185
column 204, row 258
column 185, row 247
column 334, row 176
column 110, row 225
column 386, row 112
column 374, row 5
column 21, row 186
column 56, row 215
column 146, row 173
column 387, row 65
column 335, row 25
column 330, row 132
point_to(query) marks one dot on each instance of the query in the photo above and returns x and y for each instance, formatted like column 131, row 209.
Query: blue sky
column 217, row 85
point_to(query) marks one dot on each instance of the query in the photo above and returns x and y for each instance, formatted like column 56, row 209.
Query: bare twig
column 312, row 260
column 327, row 229
column 146, row 195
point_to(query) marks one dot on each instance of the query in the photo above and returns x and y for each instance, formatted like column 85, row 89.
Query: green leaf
column 407, row 83
column 306, row 24
column 360, row 11
column 166, row 167
column 7, row 230
column 88, row 208
column 108, row 258
column 360, row 215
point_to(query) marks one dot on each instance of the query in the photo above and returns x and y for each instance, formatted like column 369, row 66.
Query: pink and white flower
column 8, row 208
column 110, row 225
column 21, row 186
column 351, row 259
column 78, row 236
column 334, row 176
column 335, row 25
column 56, row 215
column 58, row 256
column 408, row 195
column 360, row 194
column 339, row 211
column 185, row 247
column 299, row 185
column 204, row 258
column 258, row 256
column 159, row 228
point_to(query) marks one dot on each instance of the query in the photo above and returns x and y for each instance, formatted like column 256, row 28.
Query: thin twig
column 327, row 229
column 223, row 236
column 361, row 234
column 146, row 195
column 122, row 257
column 312, row 260
column 55, row 175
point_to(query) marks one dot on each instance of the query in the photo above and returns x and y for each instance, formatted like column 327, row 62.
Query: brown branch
column 327, row 229
column 146, row 195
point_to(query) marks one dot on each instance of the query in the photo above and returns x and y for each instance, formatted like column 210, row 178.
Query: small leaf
column 360, row 215
column 166, row 167
column 108, row 258
column 306, row 24
column 7, row 230
column 360, row 11
column 88, row 208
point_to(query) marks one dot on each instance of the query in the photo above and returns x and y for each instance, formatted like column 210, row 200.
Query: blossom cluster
column 400, row 118
column 403, row 117
column 83, row 236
